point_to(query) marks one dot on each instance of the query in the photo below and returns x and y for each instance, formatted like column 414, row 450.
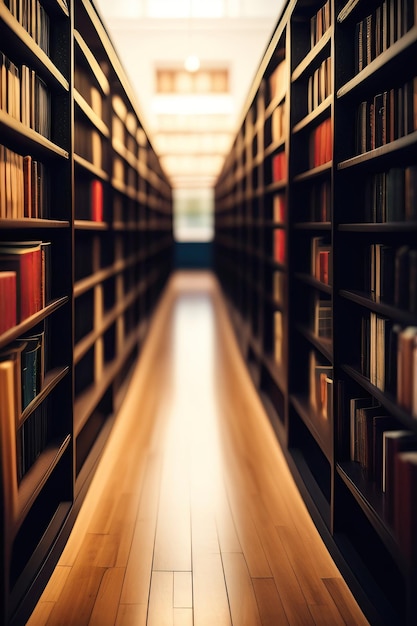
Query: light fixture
column 192, row 63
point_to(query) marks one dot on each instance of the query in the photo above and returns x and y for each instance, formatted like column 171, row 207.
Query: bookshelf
column 325, row 311
column 85, row 249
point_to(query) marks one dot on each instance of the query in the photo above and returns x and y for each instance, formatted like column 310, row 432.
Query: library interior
column 208, row 371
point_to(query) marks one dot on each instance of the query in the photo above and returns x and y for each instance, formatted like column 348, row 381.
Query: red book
column 279, row 245
column 96, row 201
column 25, row 260
column 279, row 167
column 324, row 266
column 7, row 301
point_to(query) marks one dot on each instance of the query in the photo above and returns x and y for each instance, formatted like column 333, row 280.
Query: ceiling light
column 192, row 63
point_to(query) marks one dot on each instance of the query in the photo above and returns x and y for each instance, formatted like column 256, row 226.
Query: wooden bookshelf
column 92, row 190
column 342, row 287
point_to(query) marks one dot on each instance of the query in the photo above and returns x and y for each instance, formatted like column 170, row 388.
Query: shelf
column 321, row 45
column 345, row 506
column 93, row 169
column 87, row 342
column 32, row 223
column 52, row 379
column 97, row 72
column 36, row 477
column 313, row 172
column 319, row 428
column 22, row 328
column 104, row 274
column 313, row 282
column 387, row 310
column 25, row 47
column 320, row 112
column 325, row 346
column 90, row 114
column 28, row 138
column 374, row 72
column 124, row 260
column 383, row 154
column 86, row 402
column 347, row 10
column 372, row 502
column 383, row 398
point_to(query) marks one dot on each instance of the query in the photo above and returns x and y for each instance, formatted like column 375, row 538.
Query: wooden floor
column 192, row 517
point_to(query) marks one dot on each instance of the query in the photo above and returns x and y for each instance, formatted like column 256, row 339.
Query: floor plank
column 193, row 517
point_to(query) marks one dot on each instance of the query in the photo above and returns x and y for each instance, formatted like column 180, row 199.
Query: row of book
column 389, row 358
column 391, row 196
column 25, row 96
column 24, row 186
column 319, row 85
column 391, row 275
column 387, row 454
column 320, row 23
column 320, row 260
column 381, row 28
column 24, row 280
column 34, row 19
column 387, row 116
column 321, row 144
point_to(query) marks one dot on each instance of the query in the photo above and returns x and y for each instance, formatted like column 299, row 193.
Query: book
column 32, row 367
column 278, row 286
column 279, row 209
column 322, row 317
column 8, row 435
column 278, row 336
column 394, row 442
column 24, row 258
column 354, row 405
column 405, row 373
column 381, row 424
column 278, row 81
column 279, row 167
column 405, row 504
column 279, row 245
column 8, row 301
column 365, row 443
column 96, row 187
column 320, row 260
column 320, row 387
column 321, row 144
column 402, row 277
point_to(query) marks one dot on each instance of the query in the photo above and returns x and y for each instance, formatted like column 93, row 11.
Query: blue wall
column 193, row 255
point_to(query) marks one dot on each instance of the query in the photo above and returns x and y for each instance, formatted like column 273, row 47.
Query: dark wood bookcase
column 79, row 174
column 325, row 311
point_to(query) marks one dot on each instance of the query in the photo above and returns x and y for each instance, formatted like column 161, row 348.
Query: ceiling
column 190, row 116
